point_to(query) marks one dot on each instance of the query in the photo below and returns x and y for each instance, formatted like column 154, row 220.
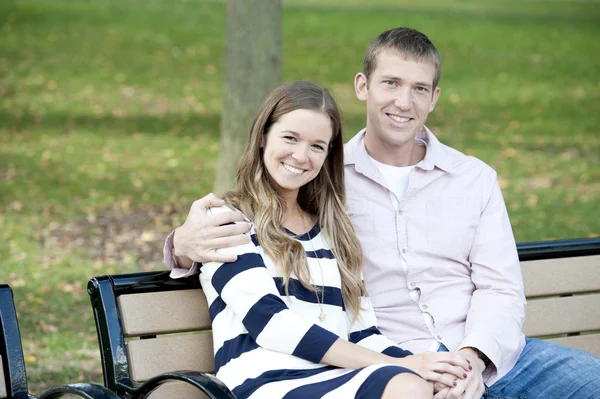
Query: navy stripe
column 375, row 383
column 216, row 307
column 320, row 254
column 332, row 296
column 254, row 239
column 261, row 313
column 315, row 343
column 319, row 389
column 234, row 348
column 358, row 336
column 227, row 272
column 395, row 351
column 252, row 384
column 309, row 235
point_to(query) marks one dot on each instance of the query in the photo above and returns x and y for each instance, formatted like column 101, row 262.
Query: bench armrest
column 84, row 390
column 211, row 386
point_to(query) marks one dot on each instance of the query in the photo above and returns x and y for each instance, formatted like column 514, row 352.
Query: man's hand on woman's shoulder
column 202, row 234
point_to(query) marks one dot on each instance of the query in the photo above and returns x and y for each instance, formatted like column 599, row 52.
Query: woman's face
column 295, row 149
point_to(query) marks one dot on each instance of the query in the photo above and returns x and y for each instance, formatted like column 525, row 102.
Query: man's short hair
column 409, row 42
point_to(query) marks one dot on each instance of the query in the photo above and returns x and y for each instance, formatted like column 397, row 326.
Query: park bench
column 13, row 377
column 150, row 326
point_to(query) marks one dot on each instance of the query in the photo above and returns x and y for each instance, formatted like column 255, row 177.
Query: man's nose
column 403, row 99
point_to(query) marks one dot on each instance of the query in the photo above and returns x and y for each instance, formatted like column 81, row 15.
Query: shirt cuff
column 176, row 272
column 489, row 348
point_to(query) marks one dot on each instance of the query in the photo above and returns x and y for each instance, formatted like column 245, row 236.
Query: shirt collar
column 435, row 155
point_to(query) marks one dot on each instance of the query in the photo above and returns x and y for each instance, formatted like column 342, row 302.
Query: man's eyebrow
column 293, row 133
column 395, row 78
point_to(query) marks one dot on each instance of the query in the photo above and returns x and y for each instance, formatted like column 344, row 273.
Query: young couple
column 426, row 225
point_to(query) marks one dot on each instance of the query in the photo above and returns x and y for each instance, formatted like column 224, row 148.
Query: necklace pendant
column 322, row 317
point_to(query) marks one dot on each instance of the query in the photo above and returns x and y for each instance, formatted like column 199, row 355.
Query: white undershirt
column 396, row 177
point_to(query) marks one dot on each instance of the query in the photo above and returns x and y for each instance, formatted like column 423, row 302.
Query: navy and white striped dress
column 268, row 345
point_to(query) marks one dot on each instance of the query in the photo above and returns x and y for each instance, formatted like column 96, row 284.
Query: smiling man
column 439, row 257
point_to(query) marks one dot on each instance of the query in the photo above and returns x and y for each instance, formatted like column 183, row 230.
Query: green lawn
column 109, row 119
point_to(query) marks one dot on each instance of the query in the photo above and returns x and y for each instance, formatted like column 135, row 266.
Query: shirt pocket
column 451, row 226
column 362, row 214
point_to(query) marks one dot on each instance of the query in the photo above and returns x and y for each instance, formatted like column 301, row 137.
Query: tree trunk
column 252, row 70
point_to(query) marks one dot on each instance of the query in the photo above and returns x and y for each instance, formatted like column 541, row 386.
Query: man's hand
column 199, row 238
column 470, row 388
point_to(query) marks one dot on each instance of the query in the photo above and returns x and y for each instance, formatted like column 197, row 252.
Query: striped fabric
column 268, row 345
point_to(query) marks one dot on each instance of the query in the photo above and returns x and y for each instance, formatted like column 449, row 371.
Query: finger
column 447, row 380
column 455, row 359
column 455, row 371
column 224, row 218
column 474, row 389
column 222, row 258
column 226, row 231
column 442, row 394
column 206, row 202
column 226, row 242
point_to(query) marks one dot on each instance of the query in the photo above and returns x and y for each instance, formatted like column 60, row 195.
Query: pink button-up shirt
column 452, row 235
column 448, row 241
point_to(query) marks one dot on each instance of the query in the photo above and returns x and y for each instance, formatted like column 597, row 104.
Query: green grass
column 109, row 123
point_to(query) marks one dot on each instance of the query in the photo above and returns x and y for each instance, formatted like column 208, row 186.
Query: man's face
column 399, row 97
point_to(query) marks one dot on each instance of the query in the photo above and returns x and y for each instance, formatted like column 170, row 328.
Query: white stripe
column 296, row 328
column 377, row 343
column 278, row 389
column 258, row 361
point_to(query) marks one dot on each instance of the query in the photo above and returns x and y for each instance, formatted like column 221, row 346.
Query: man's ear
column 361, row 86
column 434, row 99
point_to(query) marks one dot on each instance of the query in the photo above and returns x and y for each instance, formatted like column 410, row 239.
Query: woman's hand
column 438, row 367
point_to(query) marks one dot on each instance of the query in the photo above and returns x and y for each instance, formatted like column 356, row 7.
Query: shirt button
column 413, row 284
column 425, row 307
column 403, row 250
column 399, row 211
column 439, row 337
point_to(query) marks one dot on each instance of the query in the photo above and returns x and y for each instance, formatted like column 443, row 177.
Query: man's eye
column 421, row 89
column 389, row 82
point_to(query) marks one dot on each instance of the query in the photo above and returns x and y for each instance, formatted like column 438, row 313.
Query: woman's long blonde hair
column 324, row 196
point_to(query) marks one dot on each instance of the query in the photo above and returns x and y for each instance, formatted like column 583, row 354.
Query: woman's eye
column 290, row 138
column 318, row 147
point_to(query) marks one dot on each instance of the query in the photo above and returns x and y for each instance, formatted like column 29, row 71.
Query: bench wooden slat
column 3, row 393
column 150, row 357
column 589, row 343
column 179, row 390
column 163, row 312
column 561, row 276
column 549, row 316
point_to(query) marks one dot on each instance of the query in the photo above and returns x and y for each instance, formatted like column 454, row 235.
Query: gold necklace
column 322, row 315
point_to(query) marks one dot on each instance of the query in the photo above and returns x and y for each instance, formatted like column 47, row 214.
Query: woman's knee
column 407, row 385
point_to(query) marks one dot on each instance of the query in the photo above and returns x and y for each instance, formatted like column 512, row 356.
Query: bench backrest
column 13, row 380
column 149, row 324
column 562, row 286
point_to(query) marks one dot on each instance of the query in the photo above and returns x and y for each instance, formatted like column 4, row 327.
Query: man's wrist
column 482, row 356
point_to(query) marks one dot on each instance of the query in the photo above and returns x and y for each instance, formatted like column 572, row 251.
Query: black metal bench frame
column 15, row 375
column 103, row 292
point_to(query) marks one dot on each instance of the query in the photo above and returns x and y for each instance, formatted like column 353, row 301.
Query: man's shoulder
column 352, row 146
column 463, row 163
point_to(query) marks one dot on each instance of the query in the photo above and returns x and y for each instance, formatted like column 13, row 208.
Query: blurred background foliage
column 109, row 128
